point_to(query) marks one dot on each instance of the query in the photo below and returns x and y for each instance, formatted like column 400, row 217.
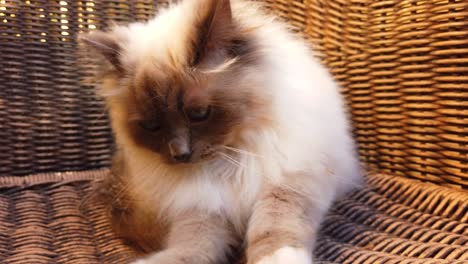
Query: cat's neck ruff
column 215, row 186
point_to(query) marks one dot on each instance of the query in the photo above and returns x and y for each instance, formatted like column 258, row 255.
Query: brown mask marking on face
column 163, row 106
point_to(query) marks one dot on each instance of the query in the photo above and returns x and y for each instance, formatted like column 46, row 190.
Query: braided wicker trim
column 48, row 178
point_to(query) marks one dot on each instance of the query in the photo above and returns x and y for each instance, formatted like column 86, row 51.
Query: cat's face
column 184, row 116
column 192, row 101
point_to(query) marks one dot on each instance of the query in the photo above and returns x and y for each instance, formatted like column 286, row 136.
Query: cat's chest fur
column 217, row 187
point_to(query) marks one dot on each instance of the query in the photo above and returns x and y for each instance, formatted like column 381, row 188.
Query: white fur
column 152, row 39
column 141, row 261
column 311, row 134
column 288, row 255
column 218, row 187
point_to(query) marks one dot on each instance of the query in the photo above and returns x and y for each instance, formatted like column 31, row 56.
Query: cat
column 229, row 134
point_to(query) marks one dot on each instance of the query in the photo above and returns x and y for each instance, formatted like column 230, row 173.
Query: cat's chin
column 197, row 162
column 197, row 159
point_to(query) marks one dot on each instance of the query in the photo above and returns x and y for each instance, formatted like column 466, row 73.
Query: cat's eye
column 149, row 125
column 198, row 114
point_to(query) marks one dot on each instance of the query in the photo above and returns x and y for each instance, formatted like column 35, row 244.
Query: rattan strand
column 394, row 220
column 402, row 65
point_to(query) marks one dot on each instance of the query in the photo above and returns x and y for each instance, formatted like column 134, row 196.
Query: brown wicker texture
column 41, row 222
column 394, row 220
column 403, row 65
column 404, row 68
column 48, row 121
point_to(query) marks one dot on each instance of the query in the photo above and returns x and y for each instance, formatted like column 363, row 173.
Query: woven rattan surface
column 41, row 221
column 394, row 220
column 403, row 65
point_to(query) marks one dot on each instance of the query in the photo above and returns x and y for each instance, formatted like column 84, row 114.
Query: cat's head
column 185, row 85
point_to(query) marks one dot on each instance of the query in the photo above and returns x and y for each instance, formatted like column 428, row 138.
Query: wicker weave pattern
column 48, row 121
column 41, row 222
column 403, row 66
column 402, row 63
column 394, row 220
column 404, row 221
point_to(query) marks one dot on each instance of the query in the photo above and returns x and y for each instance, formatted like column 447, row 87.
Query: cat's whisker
column 222, row 67
column 241, row 151
column 231, row 159
column 100, row 44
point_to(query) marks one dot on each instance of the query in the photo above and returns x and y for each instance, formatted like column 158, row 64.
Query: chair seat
column 392, row 220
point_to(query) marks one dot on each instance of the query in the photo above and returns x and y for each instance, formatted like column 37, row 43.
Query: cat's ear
column 105, row 44
column 214, row 26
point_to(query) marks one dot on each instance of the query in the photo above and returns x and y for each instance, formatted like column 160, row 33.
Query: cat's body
column 261, row 161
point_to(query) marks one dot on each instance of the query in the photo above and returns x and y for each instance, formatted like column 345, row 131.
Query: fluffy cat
column 229, row 133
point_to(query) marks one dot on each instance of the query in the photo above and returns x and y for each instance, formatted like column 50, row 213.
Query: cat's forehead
column 171, row 86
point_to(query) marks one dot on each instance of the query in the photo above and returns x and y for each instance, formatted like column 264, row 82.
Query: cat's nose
column 183, row 157
column 180, row 149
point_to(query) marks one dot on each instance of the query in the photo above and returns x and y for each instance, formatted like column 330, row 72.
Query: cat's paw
column 140, row 261
column 287, row 255
column 144, row 261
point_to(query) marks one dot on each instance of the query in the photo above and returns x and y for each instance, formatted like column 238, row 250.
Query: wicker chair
column 403, row 66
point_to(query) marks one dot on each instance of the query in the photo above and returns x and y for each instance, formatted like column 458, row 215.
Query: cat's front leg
column 284, row 224
column 195, row 238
